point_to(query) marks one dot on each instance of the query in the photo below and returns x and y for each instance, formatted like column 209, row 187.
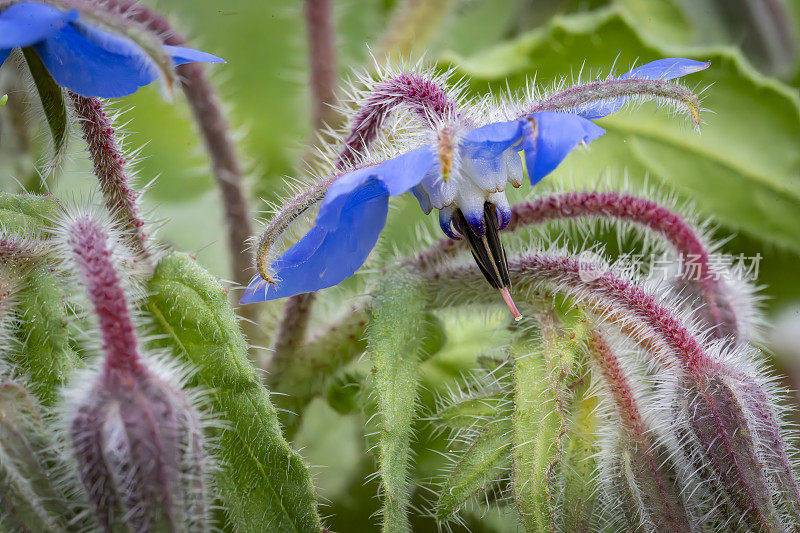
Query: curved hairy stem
column 715, row 404
column 579, row 95
column 651, row 322
column 653, row 489
column 628, row 208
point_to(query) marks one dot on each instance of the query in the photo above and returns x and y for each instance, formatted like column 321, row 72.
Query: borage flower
column 86, row 60
column 461, row 170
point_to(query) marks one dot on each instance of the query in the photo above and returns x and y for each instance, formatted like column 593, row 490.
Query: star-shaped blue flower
column 84, row 59
column 460, row 174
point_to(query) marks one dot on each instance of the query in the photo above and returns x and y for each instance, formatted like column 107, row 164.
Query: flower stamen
column 489, row 254
column 446, row 151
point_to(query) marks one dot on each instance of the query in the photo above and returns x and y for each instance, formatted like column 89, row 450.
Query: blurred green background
column 743, row 169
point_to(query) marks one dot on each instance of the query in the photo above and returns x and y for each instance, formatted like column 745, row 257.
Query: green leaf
column 747, row 180
column 52, row 97
column 536, row 428
column 394, row 342
column 45, row 354
column 486, row 460
column 30, row 501
column 471, row 410
column 580, row 449
column 263, row 483
column 551, row 427
column 26, row 213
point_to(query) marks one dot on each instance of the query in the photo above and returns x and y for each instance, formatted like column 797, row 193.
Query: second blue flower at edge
column 86, row 60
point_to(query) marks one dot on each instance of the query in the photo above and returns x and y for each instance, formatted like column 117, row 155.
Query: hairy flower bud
column 138, row 442
column 725, row 442
column 137, row 438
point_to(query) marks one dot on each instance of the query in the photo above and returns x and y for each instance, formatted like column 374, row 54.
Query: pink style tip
column 510, row 303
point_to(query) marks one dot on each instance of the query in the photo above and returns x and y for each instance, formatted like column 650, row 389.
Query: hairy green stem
column 394, row 343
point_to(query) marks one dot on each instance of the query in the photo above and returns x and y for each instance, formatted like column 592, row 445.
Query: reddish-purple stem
column 628, row 411
column 91, row 249
column 110, row 167
column 642, row 316
column 409, row 90
column 17, row 251
column 321, row 58
column 617, row 297
column 625, row 207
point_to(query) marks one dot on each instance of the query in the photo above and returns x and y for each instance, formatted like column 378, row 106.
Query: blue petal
column 91, row 62
column 662, row 69
column 666, row 69
column 326, row 256
column 555, row 136
column 397, row 175
column 4, row 55
column 351, row 217
column 182, row 55
column 491, row 140
column 27, row 23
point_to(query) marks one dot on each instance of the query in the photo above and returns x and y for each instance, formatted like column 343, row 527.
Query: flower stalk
column 137, row 439
column 111, row 169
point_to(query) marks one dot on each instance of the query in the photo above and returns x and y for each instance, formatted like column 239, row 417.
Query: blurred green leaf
column 486, row 460
column 744, row 168
column 27, row 214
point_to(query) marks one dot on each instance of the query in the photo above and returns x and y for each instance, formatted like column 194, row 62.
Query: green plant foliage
column 487, row 459
column 394, row 342
column 750, row 186
column 468, row 410
column 45, row 352
column 190, row 310
column 27, row 213
column 31, row 501
column 552, row 425
column 579, row 507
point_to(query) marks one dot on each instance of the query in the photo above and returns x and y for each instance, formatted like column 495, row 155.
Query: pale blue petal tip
column 557, row 134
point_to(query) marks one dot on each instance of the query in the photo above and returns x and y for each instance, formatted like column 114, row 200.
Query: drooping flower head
column 460, row 168
column 85, row 59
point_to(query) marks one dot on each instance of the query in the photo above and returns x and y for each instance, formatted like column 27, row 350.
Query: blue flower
column 84, row 59
column 462, row 174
